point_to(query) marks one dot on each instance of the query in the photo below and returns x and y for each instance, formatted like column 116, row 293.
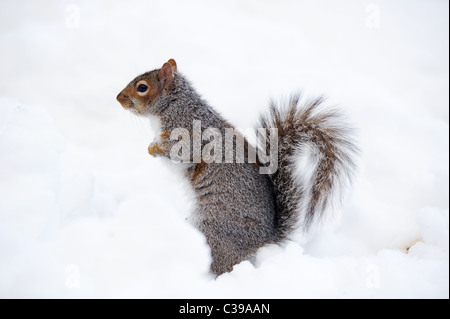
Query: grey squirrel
column 238, row 209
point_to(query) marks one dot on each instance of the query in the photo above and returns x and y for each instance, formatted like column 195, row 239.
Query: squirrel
column 239, row 209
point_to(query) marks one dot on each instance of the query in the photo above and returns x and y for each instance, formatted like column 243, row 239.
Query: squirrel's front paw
column 161, row 147
column 156, row 149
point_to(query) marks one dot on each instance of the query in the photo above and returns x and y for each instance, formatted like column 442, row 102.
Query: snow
column 85, row 212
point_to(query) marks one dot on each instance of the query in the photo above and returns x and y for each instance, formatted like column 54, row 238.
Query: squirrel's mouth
column 125, row 101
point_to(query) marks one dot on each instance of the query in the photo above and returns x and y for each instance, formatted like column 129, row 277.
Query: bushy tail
column 323, row 133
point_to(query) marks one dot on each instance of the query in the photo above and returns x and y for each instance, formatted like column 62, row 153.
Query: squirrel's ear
column 165, row 76
column 173, row 64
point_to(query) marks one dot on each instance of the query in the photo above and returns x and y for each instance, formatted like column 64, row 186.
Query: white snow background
column 86, row 212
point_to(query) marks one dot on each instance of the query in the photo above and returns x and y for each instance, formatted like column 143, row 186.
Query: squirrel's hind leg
column 225, row 254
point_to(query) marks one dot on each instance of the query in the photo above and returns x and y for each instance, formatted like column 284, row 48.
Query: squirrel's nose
column 120, row 97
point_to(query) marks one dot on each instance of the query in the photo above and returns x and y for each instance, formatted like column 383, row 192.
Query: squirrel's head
column 141, row 93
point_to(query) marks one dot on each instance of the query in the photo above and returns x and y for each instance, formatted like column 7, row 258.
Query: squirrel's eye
column 142, row 88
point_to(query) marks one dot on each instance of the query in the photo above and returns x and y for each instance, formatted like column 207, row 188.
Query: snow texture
column 85, row 212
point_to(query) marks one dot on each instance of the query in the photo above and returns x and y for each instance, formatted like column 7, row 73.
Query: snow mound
column 68, row 231
column 63, row 235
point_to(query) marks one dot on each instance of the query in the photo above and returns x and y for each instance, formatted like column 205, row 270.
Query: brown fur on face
column 158, row 82
column 131, row 99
